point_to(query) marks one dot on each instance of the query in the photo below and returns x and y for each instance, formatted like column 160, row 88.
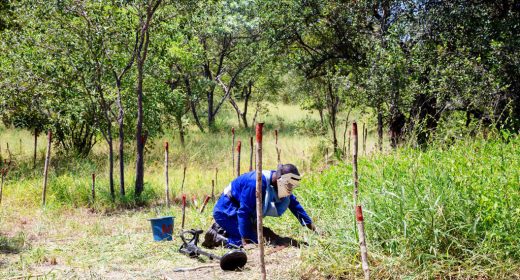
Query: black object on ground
column 232, row 260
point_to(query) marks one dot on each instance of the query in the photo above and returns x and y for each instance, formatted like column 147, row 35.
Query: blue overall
column 235, row 210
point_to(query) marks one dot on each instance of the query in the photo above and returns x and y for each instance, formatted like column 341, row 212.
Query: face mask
column 286, row 183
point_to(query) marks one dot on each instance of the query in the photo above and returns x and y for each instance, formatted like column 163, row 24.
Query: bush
column 445, row 210
column 310, row 127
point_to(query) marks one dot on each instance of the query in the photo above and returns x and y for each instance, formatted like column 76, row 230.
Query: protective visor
column 286, row 183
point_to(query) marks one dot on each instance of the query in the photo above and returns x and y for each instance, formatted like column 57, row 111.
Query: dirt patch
column 280, row 264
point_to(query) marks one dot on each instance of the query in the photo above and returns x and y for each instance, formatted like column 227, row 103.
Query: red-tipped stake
column 46, row 168
column 206, row 200
column 183, row 210
column 259, row 222
column 239, row 148
column 233, row 150
column 167, row 186
column 358, row 213
column 183, row 178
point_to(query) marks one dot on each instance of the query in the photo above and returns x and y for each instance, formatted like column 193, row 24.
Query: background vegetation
column 436, row 84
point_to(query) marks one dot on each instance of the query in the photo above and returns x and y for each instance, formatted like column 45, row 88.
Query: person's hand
column 311, row 227
column 315, row 229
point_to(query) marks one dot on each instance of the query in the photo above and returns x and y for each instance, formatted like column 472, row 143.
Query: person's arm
column 300, row 214
column 245, row 212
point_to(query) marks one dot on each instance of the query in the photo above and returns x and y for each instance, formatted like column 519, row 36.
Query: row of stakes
column 7, row 165
column 357, row 208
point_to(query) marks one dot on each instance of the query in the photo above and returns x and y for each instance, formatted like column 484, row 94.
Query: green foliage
column 12, row 245
column 449, row 208
column 309, row 126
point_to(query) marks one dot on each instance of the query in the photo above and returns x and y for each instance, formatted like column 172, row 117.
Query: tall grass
column 70, row 176
column 445, row 212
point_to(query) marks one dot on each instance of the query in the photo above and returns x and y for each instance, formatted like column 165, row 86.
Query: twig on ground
column 184, row 269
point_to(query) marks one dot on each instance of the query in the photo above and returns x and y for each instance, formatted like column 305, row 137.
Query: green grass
column 451, row 211
column 444, row 212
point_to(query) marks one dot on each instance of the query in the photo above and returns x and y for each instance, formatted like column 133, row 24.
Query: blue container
column 162, row 228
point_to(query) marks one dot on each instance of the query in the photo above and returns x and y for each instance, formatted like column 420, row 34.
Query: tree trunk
column 193, row 108
column 139, row 166
column 211, row 115
column 424, row 117
column 193, row 104
column 247, row 96
column 109, row 139
column 397, row 120
column 111, row 165
column 46, row 167
column 121, row 148
column 332, row 107
column 181, row 131
column 144, row 41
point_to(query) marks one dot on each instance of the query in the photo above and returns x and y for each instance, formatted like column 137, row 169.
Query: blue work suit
column 237, row 214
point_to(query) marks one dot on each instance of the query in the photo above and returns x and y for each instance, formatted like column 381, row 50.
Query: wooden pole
column 93, row 188
column 259, row 222
column 9, row 151
column 216, row 175
column 233, row 151
column 46, row 168
column 239, row 148
column 276, row 146
column 183, row 177
column 206, row 200
column 2, row 184
column 326, row 157
column 357, row 208
column 3, row 174
column 183, row 210
column 213, row 190
column 345, row 135
column 35, row 148
column 251, row 154
column 363, row 139
column 349, row 138
column 167, row 186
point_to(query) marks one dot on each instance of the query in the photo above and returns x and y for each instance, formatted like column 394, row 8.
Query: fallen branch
column 185, row 269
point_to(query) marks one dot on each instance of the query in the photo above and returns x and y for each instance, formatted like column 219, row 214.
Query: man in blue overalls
column 235, row 211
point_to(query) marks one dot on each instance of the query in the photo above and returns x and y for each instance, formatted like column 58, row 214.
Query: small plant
column 12, row 245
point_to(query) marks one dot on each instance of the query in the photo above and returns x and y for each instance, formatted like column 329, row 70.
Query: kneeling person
column 235, row 211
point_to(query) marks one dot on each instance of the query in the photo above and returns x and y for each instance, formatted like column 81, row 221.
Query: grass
column 451, row 211
column 444, row 212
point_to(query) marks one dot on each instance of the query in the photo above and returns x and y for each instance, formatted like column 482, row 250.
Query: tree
column 146, row 12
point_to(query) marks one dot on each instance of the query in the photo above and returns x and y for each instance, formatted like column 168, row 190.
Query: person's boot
column 215, row 237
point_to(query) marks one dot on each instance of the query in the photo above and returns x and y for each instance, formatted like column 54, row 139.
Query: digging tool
column 232, row 260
